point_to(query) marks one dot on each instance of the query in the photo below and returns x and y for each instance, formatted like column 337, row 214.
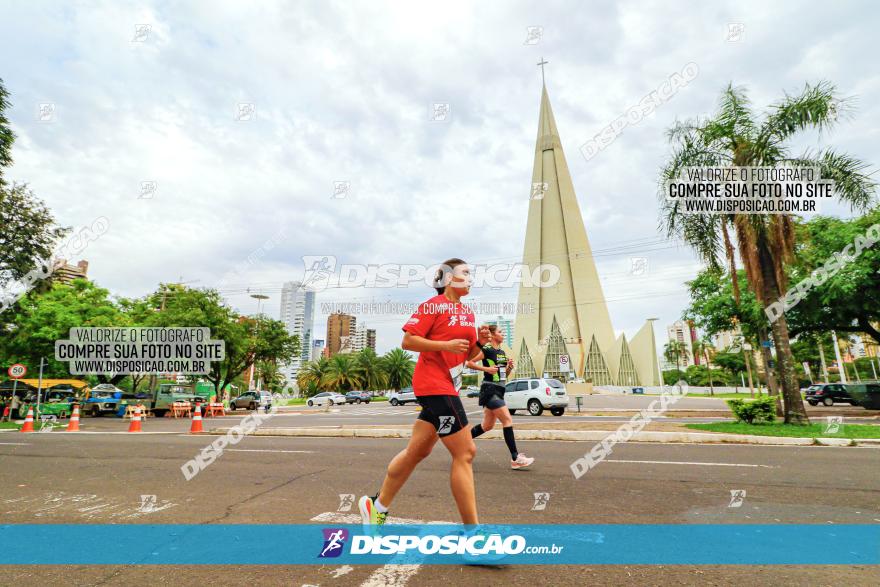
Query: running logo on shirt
column 453, row 320
column 446, row 424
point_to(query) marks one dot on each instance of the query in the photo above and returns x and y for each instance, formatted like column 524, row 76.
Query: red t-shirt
column 439, row 372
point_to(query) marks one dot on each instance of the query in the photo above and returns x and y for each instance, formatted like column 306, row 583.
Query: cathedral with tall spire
column 569, row 331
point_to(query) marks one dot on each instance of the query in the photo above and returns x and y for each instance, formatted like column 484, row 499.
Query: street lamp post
column 259, row 298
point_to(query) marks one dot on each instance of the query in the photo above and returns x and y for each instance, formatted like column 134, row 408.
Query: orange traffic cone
column 197, row 421
column 73, row 425
column 28, row 421
column 135, row 425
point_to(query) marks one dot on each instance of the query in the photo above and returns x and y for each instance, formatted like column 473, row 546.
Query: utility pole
column 824, row 366
column 40, row 384
column 748, row 347
column 165, row 290
column 840, row 368
column 259, row 298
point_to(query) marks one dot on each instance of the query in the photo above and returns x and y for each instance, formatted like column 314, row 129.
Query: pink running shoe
column 521, row 462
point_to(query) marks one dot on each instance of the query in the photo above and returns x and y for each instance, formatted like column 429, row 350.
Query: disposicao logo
column 334, row 540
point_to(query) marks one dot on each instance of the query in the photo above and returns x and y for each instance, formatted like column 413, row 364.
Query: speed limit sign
column 17, row 371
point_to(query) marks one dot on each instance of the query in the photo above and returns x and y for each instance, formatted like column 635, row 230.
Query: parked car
column 326, row 397
column 251, row 400
column 356, row 397
column 105, row 399
column 58, row 402
column 866, row 395
column 828, row 393
column 473, row 391
column 404, row 396
column 536, row 395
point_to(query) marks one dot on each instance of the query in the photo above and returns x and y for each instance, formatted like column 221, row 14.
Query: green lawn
column 9, row 426
column 780, row 429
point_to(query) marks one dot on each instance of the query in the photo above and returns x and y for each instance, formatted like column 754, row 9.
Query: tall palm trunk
column 795, row 413
column 772, row 385
column 709, row 367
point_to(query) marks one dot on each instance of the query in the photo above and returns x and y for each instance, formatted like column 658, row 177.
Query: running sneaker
column 521, row 462
column 469, row 558
column 369, row 514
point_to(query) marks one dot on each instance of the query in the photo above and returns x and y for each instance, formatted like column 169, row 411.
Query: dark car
column 828, row 393
column 866, row 395
column 356, row 397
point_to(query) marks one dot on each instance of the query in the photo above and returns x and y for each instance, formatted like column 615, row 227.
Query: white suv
column 536, row 395
column 399, row 398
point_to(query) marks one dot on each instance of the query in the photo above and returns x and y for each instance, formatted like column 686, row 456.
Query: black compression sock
column 476, row 430
column 511, row 442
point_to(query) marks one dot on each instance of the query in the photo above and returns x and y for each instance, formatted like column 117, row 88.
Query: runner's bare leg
column 424, row 437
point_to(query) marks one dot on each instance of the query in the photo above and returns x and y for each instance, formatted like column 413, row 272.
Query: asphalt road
column 100, row 478
column 596, row 408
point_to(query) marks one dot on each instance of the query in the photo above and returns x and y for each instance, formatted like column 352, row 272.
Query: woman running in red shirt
column 443, row 332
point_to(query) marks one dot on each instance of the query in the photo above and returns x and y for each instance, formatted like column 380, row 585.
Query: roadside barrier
column 130, row 410
column 180, row 410
column 215, row 409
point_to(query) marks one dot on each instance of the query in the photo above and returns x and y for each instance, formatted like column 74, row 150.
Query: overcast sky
column 343, row 92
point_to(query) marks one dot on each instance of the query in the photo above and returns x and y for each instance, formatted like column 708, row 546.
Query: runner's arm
column 412, row 342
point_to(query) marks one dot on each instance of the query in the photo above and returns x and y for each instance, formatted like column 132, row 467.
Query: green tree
column 7, row 137
column 704, row 349
column 733, row 137
column 342, row 373
column 714, row 309
column 399, row 366
column 371, row 370
column 28, row 233
column 312, row 375
column 27, row 227
column 41, row 318
column 247, row 340
column 674, row 351
column 849, row 300
column 733, row 363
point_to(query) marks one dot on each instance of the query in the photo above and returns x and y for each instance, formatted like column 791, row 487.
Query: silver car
column 251, row 400
column 404, row 396
column 325, row 397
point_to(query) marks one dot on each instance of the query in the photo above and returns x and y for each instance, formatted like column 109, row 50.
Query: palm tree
column 398, row 366
column 370, row 370
column 702, row 347
column 311, row 377
column 765, row 242
column 673, row 352
column 342, row 373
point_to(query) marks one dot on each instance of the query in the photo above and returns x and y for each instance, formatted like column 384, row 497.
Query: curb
column 570, row 435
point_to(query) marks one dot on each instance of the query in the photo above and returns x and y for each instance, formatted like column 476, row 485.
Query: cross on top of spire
column 542, row 63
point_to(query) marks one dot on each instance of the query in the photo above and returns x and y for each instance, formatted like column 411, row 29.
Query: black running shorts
column 444, row 412
column 491, row 395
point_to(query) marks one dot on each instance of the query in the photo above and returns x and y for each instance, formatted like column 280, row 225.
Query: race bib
column 455, row 373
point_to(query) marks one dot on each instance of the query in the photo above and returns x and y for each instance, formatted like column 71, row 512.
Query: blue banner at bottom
column 601, row 544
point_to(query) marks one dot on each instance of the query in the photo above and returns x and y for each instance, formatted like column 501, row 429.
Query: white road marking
column 268, row 450
column 389, row 575
column 690, row 463
column 17, row 443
